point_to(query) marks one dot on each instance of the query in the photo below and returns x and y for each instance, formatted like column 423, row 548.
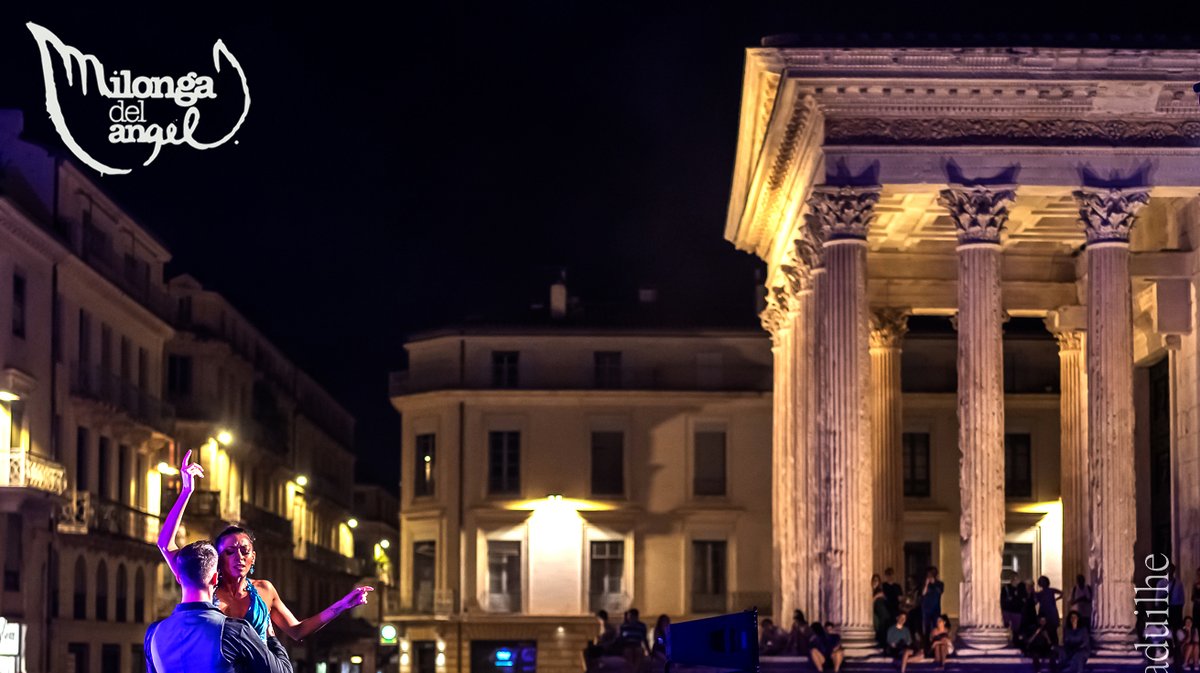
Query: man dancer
column 198, row 638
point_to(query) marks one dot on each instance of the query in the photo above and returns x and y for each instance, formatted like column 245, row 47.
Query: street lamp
column 8, row 396
column 353, row 523
column 225, row 437
column 302, row 480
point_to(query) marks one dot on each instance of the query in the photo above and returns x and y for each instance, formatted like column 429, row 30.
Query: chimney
column 558, row 299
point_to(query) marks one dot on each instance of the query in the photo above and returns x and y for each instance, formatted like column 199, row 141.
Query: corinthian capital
column 772, row 317
column 1108, row 213
column 979, row 212
column 888, row 327
column 842, row 212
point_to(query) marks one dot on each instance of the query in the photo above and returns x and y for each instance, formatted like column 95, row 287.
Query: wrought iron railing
column 105, row 387
column 267, row 524
column 88, row 513
column 332, row 559
column 26, row 470
column 748, row 377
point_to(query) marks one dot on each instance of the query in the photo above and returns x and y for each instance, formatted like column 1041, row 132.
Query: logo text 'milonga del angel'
column 130, row 93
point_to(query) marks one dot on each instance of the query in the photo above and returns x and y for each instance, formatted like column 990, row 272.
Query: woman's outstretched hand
column 190, row 472
column 356, row 597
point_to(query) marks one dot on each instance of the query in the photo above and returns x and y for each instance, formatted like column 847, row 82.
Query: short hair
column 230, row 531
column 602, row 614
column 633, row 612
column 766, row 622
column 196, row 563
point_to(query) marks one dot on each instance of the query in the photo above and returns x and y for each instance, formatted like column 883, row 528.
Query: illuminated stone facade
column 986, row 185
column 552, row 471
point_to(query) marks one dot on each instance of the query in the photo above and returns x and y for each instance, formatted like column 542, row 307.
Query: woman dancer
column 237, row 595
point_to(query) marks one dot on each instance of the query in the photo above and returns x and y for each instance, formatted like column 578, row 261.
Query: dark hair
column 766, row 622
column 602, row 614
column 195, row 564
column 663, row 622
column 818, row 630
column 931, row 569
column 1075, row 614
column 887, row 571
column 1044, row 582
column 798, row 616
column 230, row 531
column 633, row 613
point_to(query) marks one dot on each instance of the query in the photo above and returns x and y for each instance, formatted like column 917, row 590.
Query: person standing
column 199, row 637
column 931, row 600
column 891, row 593
column 1081, row 601
column 1013, row 597
column 1047, row 602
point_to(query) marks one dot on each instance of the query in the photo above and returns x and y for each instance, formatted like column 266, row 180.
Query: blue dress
column 257, row 614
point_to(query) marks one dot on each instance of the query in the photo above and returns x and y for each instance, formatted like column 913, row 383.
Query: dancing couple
column 226, row 621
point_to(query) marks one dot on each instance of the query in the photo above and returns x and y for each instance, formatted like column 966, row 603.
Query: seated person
column 899, row 641
column 939, row 640
column 825, row 648
column 773, row 640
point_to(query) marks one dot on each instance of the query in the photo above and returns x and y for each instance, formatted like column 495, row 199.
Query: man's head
column 602, row 615
column 633, row 614
column 766, row 624
column 887, row 575
column 901, row 619
column 1013, row 578
column 196, row 566
column 932, row 573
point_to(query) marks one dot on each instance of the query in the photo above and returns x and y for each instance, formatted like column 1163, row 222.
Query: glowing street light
column 165, row 468
column 8, row 396
column 302, row 480
column 384, row 543
column 353, row 523
column 225, row 437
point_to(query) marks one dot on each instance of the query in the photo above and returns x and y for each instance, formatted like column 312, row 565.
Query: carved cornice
column 888, row 327
column 843, row 212
column 979, row 212
column 1108, row 213
column 990, row 62
column 1011, row 131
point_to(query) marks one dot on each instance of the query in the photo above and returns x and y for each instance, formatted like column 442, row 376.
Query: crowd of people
column 910, row 626
column 628, row 645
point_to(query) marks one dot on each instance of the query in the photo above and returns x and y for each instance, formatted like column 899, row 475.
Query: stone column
column 1107, row 216
column 845, row 213
column 888, row 327
column 776, row 321
column 806, row 487
column 818, row 479
column 1074, row 448
column 980, row 214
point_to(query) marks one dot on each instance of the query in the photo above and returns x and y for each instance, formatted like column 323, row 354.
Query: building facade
column 551, row 472
column 889, row 188
column 96, row 356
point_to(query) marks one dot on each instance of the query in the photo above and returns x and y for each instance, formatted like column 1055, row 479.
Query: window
column 1018, row 475
column 110, row 658
column 504, row 575
column 13, row 549
column 79, row 598
column 708, row 576
column 179, row 374
column 122, row 593
column 143, row 380
column 606, row 580
column 504, row 369
column 424, row 574
column 79, row 653
column 423, row 475
column 608, row 463
column 1018, row 558
column 126, row 361
column 709, row 477
column 106, row 348
column 17, row 424
column 82, row 440
column 918, row 558
column 185, row 311
column 56, row 328
column 102, row 592
column 504, row 462
column 18, row 324
column 105, row 474
column 124, row 478
column 85, row 337
column 916, row 464
column 139, row 597
column 608, row 369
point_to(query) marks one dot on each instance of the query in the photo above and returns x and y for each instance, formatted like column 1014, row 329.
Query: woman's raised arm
column 188, row 473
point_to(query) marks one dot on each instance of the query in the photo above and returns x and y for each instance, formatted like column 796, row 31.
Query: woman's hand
column 188, row 473
column 356, row 597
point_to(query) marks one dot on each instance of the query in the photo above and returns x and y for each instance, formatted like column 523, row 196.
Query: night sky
column 411, row 170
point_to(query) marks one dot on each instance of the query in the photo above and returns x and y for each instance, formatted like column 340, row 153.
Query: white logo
column 128, row 115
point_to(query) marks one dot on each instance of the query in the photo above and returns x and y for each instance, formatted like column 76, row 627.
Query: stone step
column 885, row 665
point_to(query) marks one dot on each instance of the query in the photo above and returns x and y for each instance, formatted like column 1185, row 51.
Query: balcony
column 110, row 390
column 332, row 560
column 268, row 527
column 202, row 504
column 130, row 274
column 88, row 513
column 731, row 378
column 26, row 470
